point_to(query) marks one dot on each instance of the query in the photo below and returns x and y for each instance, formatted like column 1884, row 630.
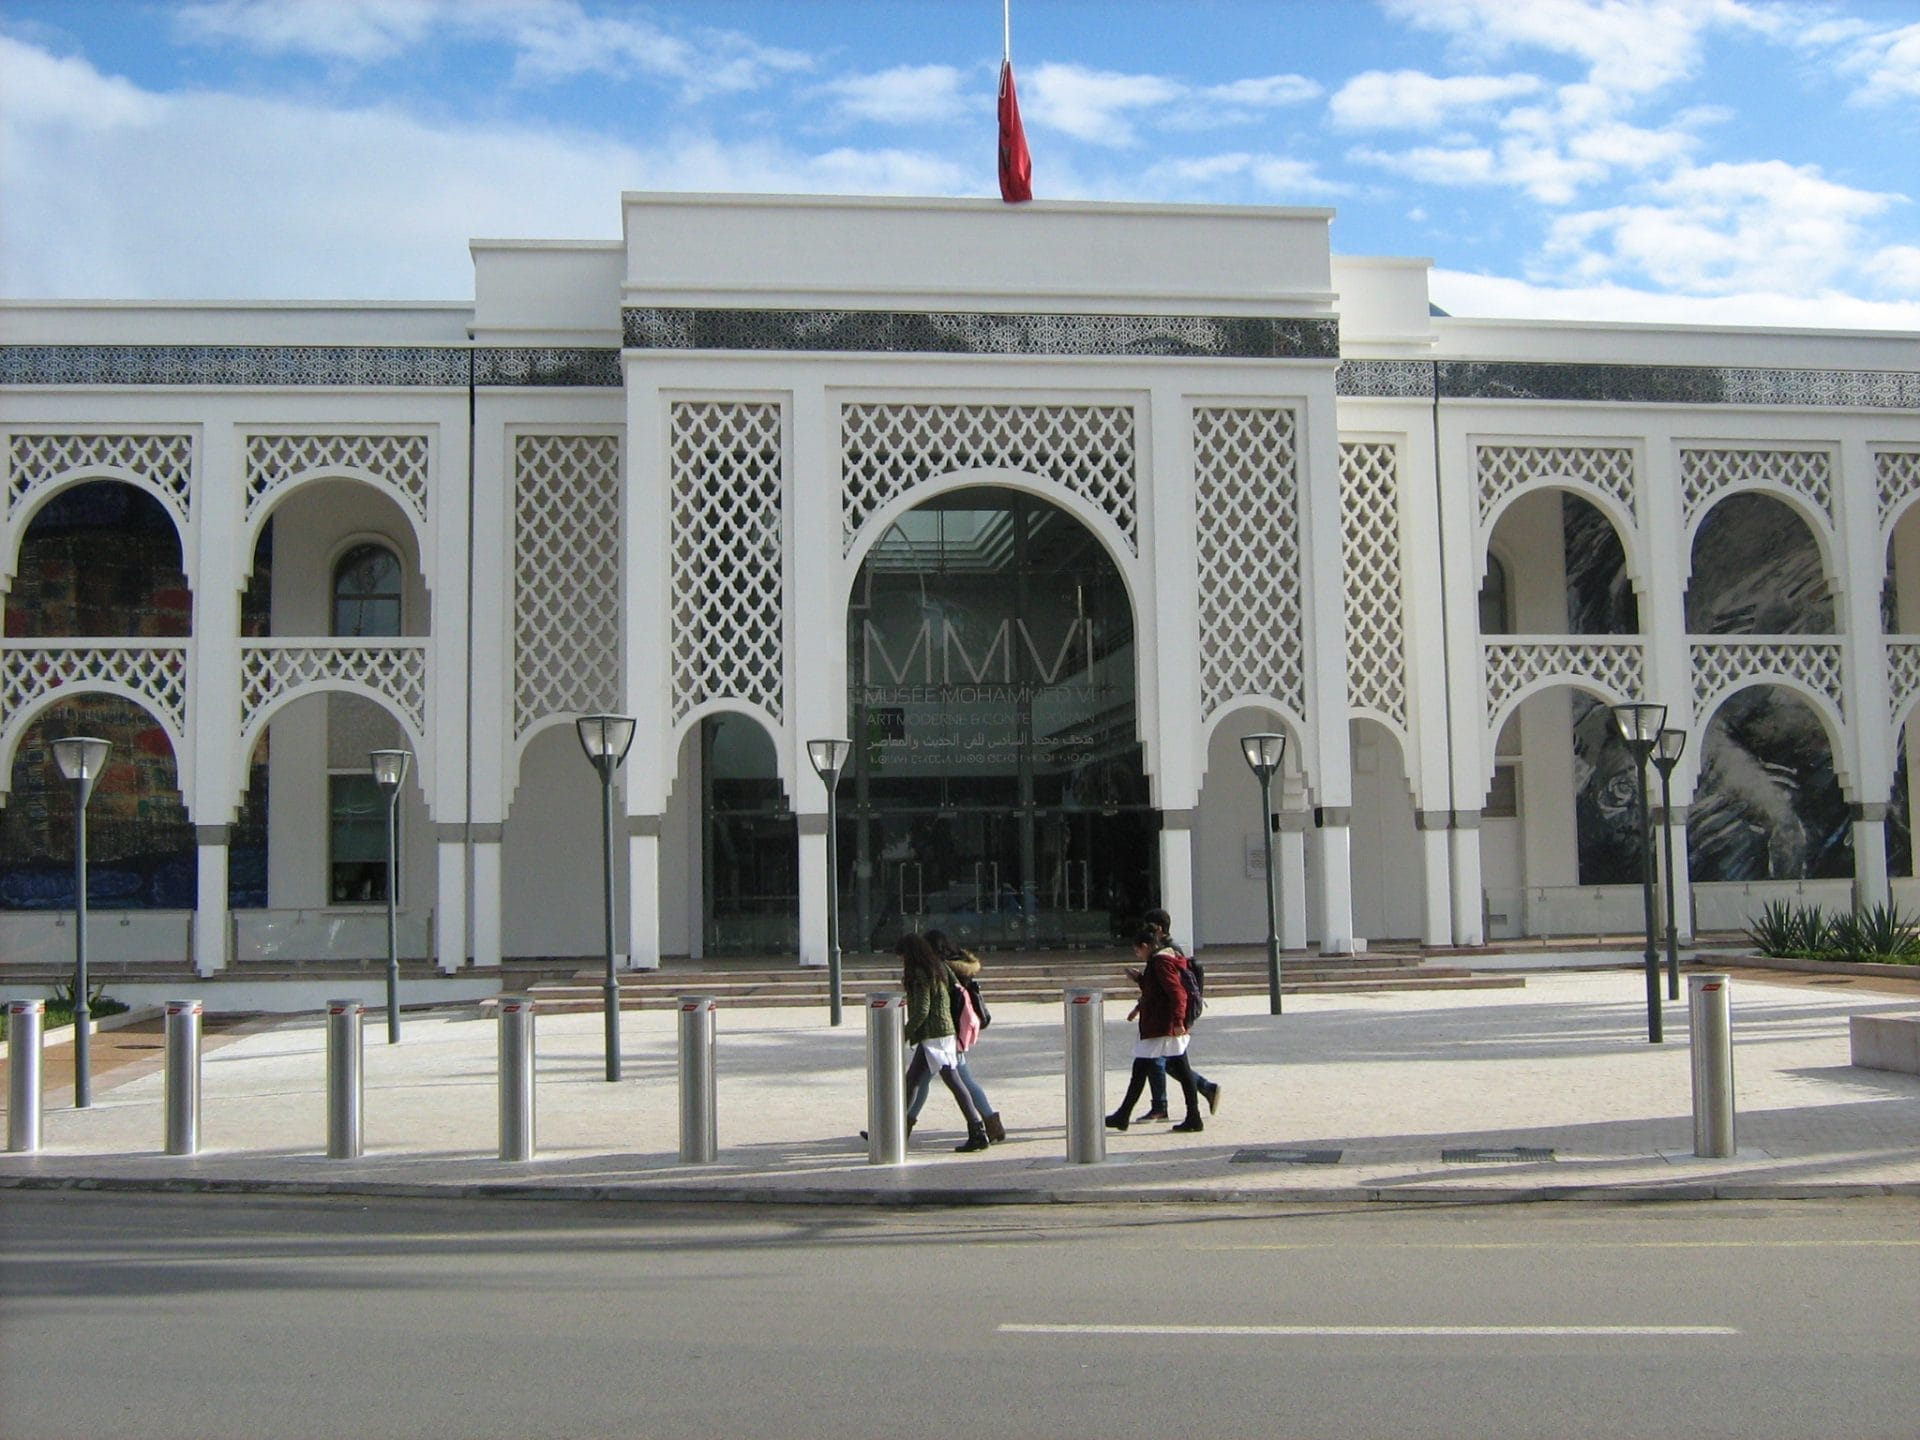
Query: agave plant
column 1885, row 934
column 1778, row 931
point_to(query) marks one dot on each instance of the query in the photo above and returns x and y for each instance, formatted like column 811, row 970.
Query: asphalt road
column 158, row 1316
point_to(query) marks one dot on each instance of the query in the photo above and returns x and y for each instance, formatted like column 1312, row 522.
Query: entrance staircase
column 1007, row 977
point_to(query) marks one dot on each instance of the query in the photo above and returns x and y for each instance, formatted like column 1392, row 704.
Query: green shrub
column 1879, row 933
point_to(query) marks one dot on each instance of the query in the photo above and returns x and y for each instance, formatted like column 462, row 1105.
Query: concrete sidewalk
column 1345, row 1097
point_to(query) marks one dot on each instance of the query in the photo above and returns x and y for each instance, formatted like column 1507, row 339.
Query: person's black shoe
column 1213, row 1098
column 1159, row 1115
column 976, row 1140
column 1192, row 1125
column 1116, row 1122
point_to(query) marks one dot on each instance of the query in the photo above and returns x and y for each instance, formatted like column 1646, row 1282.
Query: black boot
column 996, row 1131
column 1116, row 1121
column 976, row 1140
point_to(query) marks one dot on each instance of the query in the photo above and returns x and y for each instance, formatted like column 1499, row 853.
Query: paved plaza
column 1344, row 1097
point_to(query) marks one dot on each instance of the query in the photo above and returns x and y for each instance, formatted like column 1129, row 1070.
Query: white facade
column 643, row 476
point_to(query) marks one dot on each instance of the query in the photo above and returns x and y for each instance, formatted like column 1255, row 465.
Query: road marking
column 1371, row 1330
column 1581, row 1244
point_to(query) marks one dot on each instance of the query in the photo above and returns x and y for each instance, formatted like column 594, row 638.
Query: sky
column 1737, row 162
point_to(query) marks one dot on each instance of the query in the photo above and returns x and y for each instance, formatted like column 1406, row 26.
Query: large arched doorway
column 996, row 789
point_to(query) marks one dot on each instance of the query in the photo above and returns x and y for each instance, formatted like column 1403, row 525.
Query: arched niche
column 1757, row 568
column 1556, row 565
column 314, row 528
column 1767, row 804
column 101, row 558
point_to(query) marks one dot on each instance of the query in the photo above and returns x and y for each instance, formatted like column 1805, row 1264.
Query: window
column 366, row 592
column 356, row 841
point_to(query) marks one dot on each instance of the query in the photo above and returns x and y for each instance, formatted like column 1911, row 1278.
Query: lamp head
column 390, row 769
column 1263, row 753
column 605, row 738
column 80, row 757
column 1667, row 746
column 1640, row 722
column 829, row 757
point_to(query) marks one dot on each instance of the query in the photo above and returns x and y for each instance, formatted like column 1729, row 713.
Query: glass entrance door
column 996, row 789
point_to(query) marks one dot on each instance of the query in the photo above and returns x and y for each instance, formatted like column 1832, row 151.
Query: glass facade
column 996, row 788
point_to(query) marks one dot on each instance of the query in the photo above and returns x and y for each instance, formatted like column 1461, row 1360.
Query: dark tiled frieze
column 1630, row 384
column 430, row 366
column 916, row 332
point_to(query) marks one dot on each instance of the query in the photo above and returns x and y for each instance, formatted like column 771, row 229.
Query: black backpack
column 1193, row 980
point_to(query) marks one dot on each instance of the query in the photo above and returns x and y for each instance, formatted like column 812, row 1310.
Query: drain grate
column 1513, row 1154
column 1286, row 1157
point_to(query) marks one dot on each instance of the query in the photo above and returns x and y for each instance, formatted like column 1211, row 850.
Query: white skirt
column 1160, row 1047
column 942, row 1052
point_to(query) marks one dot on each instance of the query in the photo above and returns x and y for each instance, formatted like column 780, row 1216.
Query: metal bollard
column 886, row 1078
column 183, row 1077
column 1086, row 1076
column 26, row 1031
column 516, row 1077
column 699, row 1129
column 1710, row 1027
column 346, row 1079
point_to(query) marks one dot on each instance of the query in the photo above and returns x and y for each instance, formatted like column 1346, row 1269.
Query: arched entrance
column 996, row 789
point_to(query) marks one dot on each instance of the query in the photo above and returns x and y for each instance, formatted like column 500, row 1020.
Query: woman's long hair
column 942, row 946
column 919, row 965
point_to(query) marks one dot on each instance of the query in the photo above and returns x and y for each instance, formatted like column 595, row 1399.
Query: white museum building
column 1043, row 507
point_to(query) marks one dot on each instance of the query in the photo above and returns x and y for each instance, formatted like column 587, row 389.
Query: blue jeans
column 1157, row 1084
column 917, row 1097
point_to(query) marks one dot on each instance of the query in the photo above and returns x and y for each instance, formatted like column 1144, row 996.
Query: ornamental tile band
column 1235, row 337
column 429, row 366
column 1627, row 384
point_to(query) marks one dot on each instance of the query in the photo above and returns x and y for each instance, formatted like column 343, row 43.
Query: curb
column 49, row 1039
column 935, row 1197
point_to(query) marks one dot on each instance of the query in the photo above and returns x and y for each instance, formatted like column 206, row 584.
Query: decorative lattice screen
column 886, row 450
column 1370, row 545
column 1604, row 469
column 1721, row 666
column 728, row 602
column 1903, row 677
column 159, row 464
column 1896, row 476
column 396, row 463
column 566, row 576
column 1246, row 493
column 1613, row 667
column 394, row 670
column 1707, row 473
column 156, row 674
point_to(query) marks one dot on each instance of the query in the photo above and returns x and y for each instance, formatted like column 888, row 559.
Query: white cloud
column 1496, row 297
column 1265, row 92
column 1630, row 47
column 904, row 95
column 1279, row 176
column 1466, row 165
column 1896, row 269
column 1094, row 105
column 1888, row 64
column 1723, row 229
column 1413, row 100
column 552, row 40
column 204, row 194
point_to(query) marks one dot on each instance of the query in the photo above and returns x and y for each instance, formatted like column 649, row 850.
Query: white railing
column 298, row 936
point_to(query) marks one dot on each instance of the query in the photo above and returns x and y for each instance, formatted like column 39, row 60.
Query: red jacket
column 1163, row 999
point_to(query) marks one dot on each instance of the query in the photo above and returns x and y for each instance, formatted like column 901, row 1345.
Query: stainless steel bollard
column 516, row 1077
column 183, row 1077
column 886, row 1078
column 346, row 1078
column 1086, row 1076
column 26, row 1035
column 699, row 1128
column 1710, row 1031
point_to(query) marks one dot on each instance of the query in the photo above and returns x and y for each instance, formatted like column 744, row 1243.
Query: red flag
column 1016, row 165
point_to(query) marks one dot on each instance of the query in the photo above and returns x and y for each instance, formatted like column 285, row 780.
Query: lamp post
column 1263, row 753
column 1640, row 722
column 828, row 757
column 390, row 773
column 1667, row 746
column 606, row 740
column 81, row 759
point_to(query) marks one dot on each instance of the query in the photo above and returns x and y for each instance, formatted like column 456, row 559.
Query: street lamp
column 80, row 758
column 1640, row 722
column 1263, row 754
column 828, row 757
column 1667, row 746
column 606, row 740
column 390, row 773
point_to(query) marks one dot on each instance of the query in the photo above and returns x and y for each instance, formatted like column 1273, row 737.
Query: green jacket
column 929, row 1009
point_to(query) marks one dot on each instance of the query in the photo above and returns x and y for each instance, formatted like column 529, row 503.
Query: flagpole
column 1006, row 26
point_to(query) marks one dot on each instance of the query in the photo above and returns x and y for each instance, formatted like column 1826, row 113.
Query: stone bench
column 1886, row 1042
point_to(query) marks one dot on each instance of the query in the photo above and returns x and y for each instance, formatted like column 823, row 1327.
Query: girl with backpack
column 1162, row 924
column 930, row 1030
column 1162, row 1013
column 965, row 966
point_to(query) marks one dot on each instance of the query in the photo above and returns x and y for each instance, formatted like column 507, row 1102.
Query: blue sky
column 1713, row 161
